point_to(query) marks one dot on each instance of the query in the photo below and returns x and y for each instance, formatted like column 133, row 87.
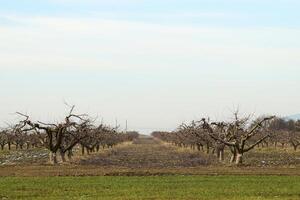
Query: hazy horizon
column 153, row 63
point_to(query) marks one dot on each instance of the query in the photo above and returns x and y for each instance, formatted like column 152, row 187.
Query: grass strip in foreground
column 155, row 187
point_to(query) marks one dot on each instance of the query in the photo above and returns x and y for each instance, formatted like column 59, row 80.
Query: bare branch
column 256, row 143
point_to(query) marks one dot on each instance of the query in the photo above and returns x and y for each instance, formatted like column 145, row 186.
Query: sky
column 154, row 63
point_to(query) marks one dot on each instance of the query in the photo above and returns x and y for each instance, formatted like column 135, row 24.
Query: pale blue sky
column 155, row 63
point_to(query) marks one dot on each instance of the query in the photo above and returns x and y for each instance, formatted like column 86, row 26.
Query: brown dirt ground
column 148, row 153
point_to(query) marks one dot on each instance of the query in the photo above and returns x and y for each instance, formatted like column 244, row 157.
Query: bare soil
column 147, row 152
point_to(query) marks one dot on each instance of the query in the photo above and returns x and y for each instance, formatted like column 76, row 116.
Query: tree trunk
column 267, row 144
column 233, row 156
column 207, row 149
column 239, row 159
column 295, row 146
column 63, row 156
column 214, row 150
column 221, row 155
column 9, row 146
column 82, row 149
column 2, row 147
column 70, row 154
column 53, row 158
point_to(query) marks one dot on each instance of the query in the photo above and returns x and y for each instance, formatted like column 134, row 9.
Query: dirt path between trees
column 148, row 152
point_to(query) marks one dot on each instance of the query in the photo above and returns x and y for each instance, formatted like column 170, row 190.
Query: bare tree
column 286, row 132
column 3, row 139
column 238, row 135
column 55, row 132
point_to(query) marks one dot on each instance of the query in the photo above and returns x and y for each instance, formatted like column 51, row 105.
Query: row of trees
column 61, row 138
column 239, row 135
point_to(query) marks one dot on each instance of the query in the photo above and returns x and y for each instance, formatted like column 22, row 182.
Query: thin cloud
column 92, row 43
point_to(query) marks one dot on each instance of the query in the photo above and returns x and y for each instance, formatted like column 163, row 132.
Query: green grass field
column 155, row 187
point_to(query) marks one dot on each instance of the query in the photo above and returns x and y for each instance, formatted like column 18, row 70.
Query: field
column 150, row 169
column 155, row 187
